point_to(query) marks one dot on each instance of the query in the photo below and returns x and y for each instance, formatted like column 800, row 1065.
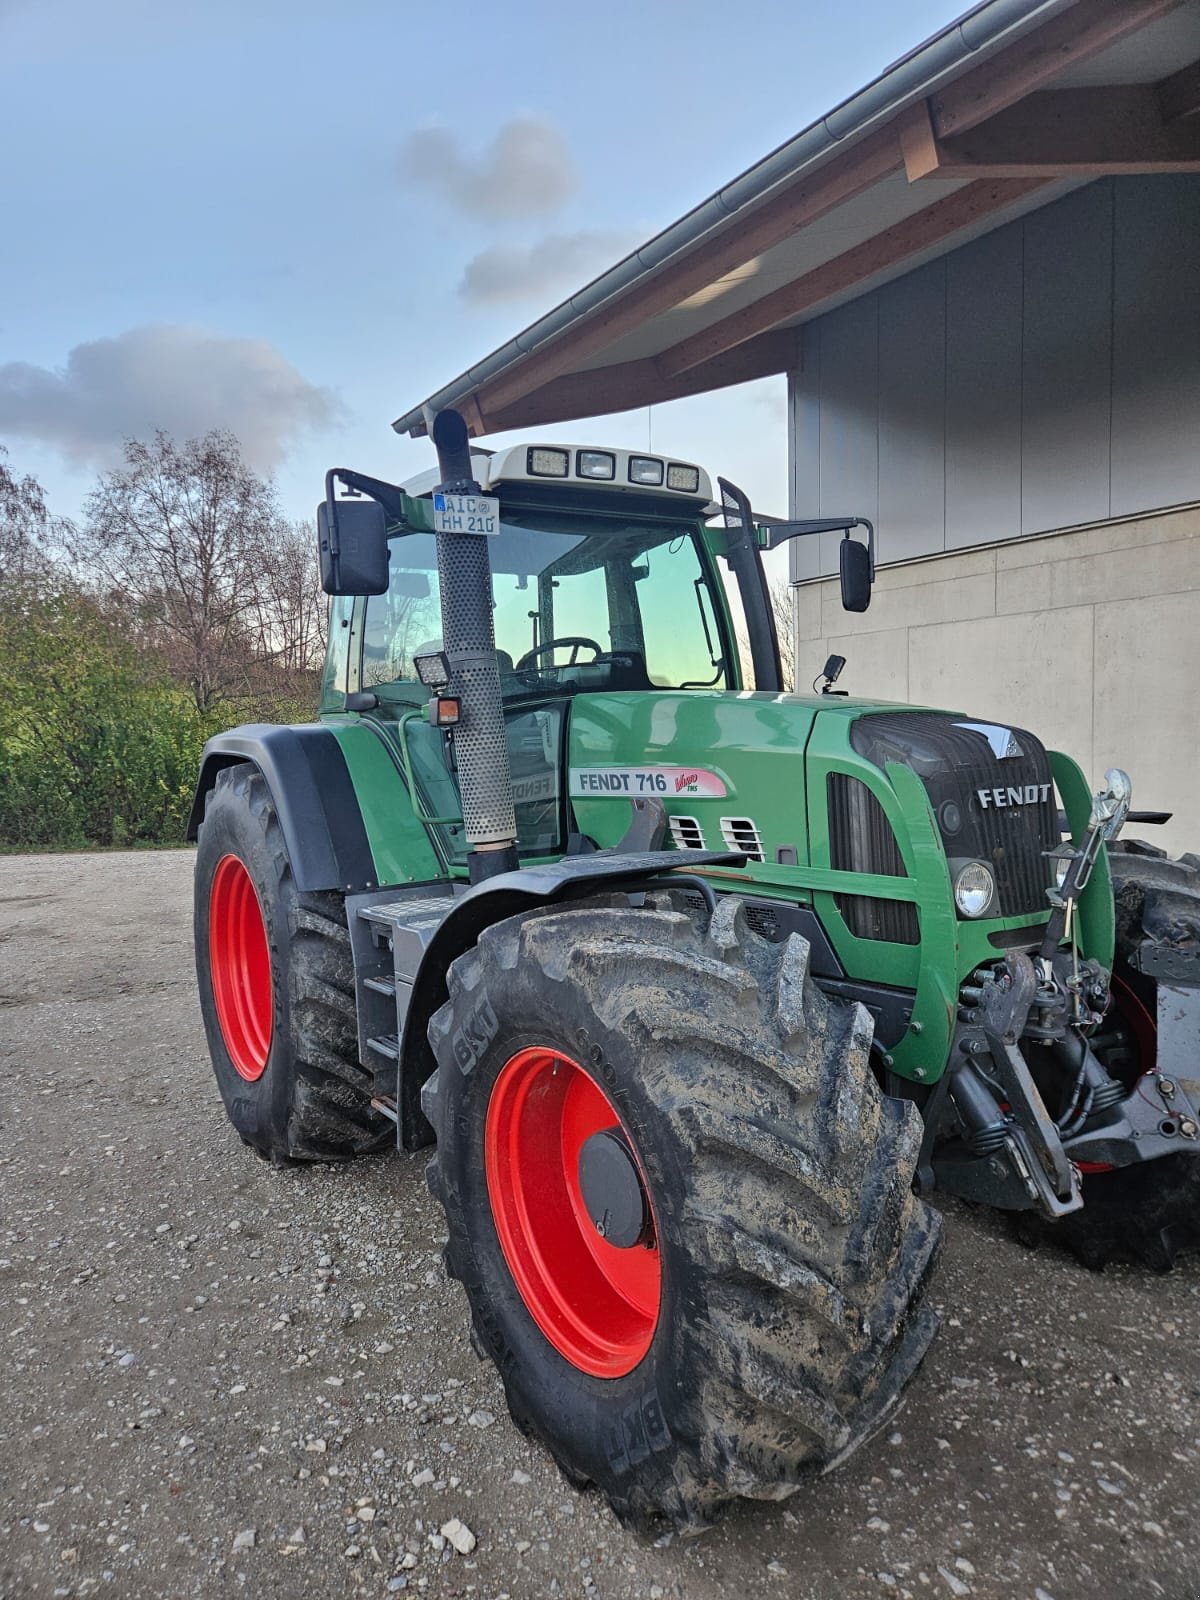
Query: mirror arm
column 333, row 540
column 865, row 522
column 390, row 497
column 778, row 533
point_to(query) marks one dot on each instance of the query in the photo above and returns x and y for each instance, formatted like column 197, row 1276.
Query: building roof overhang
column 998, row 114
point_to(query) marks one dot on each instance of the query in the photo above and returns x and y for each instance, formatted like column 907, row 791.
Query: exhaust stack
column 469, row 643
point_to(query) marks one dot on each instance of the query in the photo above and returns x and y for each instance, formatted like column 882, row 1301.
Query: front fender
column 431, row 947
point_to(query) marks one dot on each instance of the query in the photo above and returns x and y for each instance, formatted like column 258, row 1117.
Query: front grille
column 955, row 759
column 861, row 840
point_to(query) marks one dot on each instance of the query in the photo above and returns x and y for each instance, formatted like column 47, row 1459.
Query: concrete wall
column 1089, row 638
column 1044, row 375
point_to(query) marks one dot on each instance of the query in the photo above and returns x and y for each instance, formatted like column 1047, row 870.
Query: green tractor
column 698, row 991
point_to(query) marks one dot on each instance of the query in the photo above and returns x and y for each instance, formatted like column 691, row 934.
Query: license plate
column 466, row 513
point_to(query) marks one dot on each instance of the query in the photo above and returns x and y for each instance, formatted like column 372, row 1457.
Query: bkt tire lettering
column 639, row 1431
column 476, row 1033
column 1031, row 794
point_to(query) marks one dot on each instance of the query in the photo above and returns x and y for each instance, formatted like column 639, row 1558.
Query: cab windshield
column 581, row 603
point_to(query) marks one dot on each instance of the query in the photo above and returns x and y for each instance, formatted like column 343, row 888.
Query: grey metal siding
column 912, row 408
column 983, row 389
column 1156, row 344
column 1066, row 346
column 1045, row 375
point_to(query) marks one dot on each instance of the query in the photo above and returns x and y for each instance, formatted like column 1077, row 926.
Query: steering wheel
column 572, row 641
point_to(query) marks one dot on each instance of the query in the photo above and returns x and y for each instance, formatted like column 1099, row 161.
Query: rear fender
column 313, row 796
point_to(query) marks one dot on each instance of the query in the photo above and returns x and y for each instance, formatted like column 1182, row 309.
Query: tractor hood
column 729, row 768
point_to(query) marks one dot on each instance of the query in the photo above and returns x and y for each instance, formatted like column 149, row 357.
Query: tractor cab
column 589, row 592
column 609, row 592
column 608, row 576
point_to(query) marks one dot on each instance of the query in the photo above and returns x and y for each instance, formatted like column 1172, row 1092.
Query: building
column 981, row 275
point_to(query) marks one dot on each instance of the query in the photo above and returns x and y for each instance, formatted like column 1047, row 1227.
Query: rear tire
column 791, row 1253
column 276, row 984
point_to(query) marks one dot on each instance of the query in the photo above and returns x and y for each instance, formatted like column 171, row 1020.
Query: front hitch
column 1011, row 1153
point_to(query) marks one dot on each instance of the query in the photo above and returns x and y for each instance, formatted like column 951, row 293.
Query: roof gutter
column 920, row 73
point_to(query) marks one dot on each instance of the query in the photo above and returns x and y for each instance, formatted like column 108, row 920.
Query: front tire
column 762, row 1320
column 276, row 984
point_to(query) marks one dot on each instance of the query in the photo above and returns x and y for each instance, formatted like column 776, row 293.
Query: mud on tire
column 793, row 1253
column 312, row 1101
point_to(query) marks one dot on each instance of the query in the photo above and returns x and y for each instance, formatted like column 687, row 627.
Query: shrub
column 97, row 743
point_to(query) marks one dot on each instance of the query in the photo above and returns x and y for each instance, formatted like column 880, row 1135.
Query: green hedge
column 98, row 745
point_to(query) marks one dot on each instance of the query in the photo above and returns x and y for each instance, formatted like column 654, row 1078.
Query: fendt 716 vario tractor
column 699, row 990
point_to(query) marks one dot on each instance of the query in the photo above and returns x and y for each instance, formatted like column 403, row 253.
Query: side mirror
column 352, row 538
column 855, row 569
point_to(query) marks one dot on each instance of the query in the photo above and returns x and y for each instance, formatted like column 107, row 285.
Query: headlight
column 543, row 462
column 596, row 464
column 973, row 889
column 646, row 469
column 681, row 477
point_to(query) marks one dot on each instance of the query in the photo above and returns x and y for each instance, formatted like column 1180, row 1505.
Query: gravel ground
column 221, row 1378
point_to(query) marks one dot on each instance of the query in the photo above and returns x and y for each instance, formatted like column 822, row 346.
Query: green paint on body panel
column 399, row 842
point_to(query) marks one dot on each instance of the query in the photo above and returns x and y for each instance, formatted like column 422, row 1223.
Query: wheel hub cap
column 612, row 1191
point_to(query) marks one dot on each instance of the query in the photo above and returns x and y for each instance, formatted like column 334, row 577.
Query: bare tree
column 177, row 536
column 290, row 614
column 783, row 608
column 27, row 530
column 783, row 604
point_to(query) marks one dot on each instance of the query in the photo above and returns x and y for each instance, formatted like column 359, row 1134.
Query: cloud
column 526, row 171
column 530, row 272
column 184, row 380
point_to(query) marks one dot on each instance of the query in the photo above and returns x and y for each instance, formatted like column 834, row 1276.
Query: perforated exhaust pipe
column 469, row 643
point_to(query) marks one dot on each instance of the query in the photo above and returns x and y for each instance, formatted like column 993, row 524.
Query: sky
column 298, row 220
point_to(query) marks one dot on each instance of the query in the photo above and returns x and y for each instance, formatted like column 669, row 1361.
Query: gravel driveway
column 220, row 1378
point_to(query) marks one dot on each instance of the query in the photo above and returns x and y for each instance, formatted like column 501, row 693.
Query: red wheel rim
column 240, row 965
column 597, row 1304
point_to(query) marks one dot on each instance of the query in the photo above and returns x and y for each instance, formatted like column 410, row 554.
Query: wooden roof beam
column 640, row 383
column 1063, row 133
column 1081, row 32
column 886, row 250
column 1179, row 95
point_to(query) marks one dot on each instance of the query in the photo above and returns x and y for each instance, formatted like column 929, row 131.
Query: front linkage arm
column 1023, row 1149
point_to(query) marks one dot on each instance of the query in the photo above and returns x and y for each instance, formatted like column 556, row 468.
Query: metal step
column 390, row 930
column 410, row 922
